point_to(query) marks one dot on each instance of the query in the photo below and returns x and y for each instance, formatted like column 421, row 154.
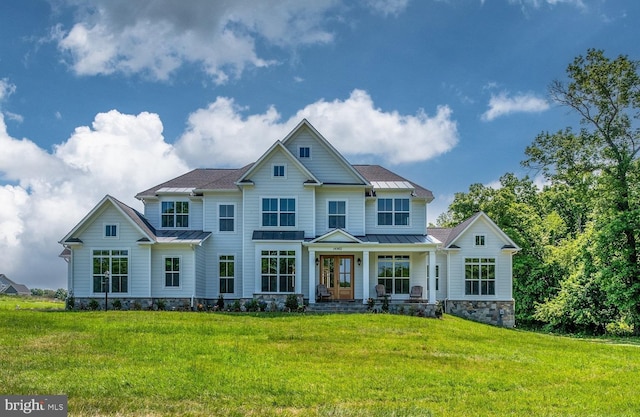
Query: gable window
column 227, row 273
column 279, row 171
column 394, row 273
column 110, row 230
column 437, row 277
column 393, row 212
column 337, row 214
column 480, row 240
column 171, row 272
column 175, row 214
column 227, row 217
column 480, row 276
column 116, row 263
column 278, row 212
column 278, row 270
column 304, row 152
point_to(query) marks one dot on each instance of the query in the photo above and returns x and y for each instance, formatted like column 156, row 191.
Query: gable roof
column 138, row 221
column 277, row 146
column 324, row 142
column 7, row 286
column 383, row 179
column 336, row 235
column 448, row 236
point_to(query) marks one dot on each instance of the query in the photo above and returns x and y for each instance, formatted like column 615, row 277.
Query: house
column 11, row 288
column 300, row 216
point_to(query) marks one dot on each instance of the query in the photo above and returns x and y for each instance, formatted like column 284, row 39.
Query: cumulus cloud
column 155, row 37
column 502, row 105
column 45, row 194
column 220, row 136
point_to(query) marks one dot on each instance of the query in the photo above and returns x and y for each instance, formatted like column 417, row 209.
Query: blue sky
column 115, row 96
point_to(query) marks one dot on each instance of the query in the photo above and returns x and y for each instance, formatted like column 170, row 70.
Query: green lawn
column 141, row 363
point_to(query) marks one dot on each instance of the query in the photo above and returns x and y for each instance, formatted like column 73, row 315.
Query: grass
column 198, row 364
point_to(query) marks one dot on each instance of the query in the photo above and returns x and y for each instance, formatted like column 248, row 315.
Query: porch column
column 312, row 277
column 365, row 276
column 432, row 277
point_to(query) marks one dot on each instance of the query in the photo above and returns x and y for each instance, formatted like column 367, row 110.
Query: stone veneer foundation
column 498, row 313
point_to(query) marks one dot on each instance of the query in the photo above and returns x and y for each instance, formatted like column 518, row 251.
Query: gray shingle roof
column 7, row 286
column 377, row 173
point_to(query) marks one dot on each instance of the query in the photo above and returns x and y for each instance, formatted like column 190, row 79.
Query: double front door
column 336, row 272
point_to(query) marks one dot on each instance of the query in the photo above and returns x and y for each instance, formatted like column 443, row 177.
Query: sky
column 115, row 96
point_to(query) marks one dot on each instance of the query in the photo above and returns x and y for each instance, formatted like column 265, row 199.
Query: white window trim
column 437, row 268
column 235, row 269
column 393, row 260
column 111, row 294
column 164, row 271
column 104, row 230
column 346, row 211
column 278, row 226
column 235, row 218
column 310, row 152
column 179, row 200
column 393, row 213
column 484, row 240
column 283, row 177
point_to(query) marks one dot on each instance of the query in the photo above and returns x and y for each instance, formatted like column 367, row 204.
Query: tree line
column 578, row 269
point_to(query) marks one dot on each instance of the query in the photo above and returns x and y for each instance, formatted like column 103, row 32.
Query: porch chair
column 415, row 293
column 381, row 291
column 322, row 292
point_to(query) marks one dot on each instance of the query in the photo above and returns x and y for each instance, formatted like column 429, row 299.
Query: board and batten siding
column 491, row 249
column 93, row 238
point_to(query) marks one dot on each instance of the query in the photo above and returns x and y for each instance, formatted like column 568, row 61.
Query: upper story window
column 279, row 212
column 337, row 214
column 480, row 240
column 110, row 230
column 175, row 214
column 227, row 217
column 304, row 152
column 393, row 212
column 279, row 171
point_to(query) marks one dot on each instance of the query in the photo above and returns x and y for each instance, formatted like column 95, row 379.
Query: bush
column 619, row 327
column 137, row 306
column 162, row 304
column 220, row 303
column 70, row 301
column 292, row 302
column 235, row 306
column 93, row 304
column 116, row 304
column 252, row 305
column 385, row 304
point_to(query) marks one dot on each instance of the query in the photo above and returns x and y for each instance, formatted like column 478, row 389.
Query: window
column 480, row 276
column 175, row 214
column 480, row 240
column 227, row 215
column 116, row 262
column 171, row 272
column 437, row 277
column 278, row 212
column 337, row 214
column 305, row 152
column 393, row 212
column 110, row 230
column 278, row 271
column 279, row 171
column 393, row 273
column 227, row 273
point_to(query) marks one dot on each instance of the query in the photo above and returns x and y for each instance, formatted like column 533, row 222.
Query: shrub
column 162, row 304
column 292, row 302
column 235, row 306
column 116, row 304
column 252, row 305
column 371, row 303
column 137, row 306
column 220, row 303
column 385, row 304
column 70, row 301
column 619, row 327
column 93, row 304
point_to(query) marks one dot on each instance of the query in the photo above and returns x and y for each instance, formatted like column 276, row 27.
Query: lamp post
column 106, row 289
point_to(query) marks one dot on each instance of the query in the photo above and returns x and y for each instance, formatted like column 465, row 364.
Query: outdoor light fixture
column 359, row 261
column 106, row 289
column 317, row 261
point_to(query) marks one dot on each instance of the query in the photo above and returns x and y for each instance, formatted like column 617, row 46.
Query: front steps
column 337, row 307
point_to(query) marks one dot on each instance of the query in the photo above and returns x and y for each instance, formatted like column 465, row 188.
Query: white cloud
column 220, row 136
column 48, row 193
column 502, row 104
column 155, row 37
column 388, row 7
column 6, row 89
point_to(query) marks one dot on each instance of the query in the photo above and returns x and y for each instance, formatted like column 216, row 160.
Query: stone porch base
column 498, row 313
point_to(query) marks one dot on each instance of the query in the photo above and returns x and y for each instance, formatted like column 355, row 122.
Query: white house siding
column 441, row 260
column 152, row 212
column 222, row 243
column 492, row 249
column 417, row 215
column 323, row 163
column 93, row 239
column 195, row 211
column 200, row 269
column 354, row 199
column 267, row 187
column 187, row 271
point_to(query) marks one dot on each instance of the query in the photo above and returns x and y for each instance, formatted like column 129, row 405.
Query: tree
column 602, row 156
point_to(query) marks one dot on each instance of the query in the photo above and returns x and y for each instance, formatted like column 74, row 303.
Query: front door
column 337, row 274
